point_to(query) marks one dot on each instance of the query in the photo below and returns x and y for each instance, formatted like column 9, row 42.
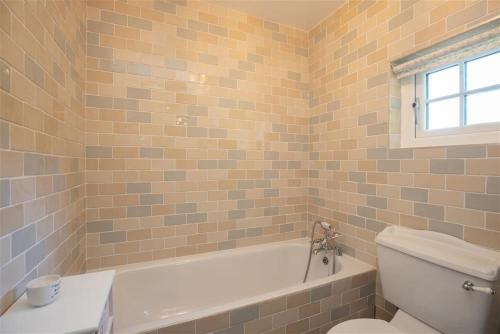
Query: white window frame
column 413, row 113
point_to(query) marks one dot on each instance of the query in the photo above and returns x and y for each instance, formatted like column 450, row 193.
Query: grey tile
column 367, row 48
column 217, row 133
column 151, row 152
column 366, row 212
column 414, row 194
column 244, row 314
column 186, row 208
column 246, row 204
column 428, row 210
column 273, row 211
column 376, row 153
column 377, row 129
column 138, row 187
column 138, row 93
column 236, row 329
column 388, row 165
column 271, row 192
column 226, row 164
column 98, row 101
column 246, row 66
column 493, row 185
column 197, row 25
column 228, row 82
column 34, row 164
column 197, row 132
column 271, row 26
column 23, row 239
column 193, row 110
column 333, row 165
column 470, row 151
column 35, row 255
column 174, row 175
column 195, row 218
column 136, row 22
column 401, row 153
column 174, row 220
column 217, row 30
column 236, row 214
column 164, row 6
column 279, row 37
column 176, row 64
column 449, row 166
column 446, row 228
column 236, row 194
column 4, row 193
column 112, row 65
column 99, row 52
column 340, row 312
column 377, row 80
column 400, row 19
column 4, row 76
column 377, row 202
column 98, row 152
column 321, row 292
column 138, row 69
column 207, row 164
column 357, row 177
column 226, row 245
column 151, row 199
column 112, row 237
column 112, row 17
column 34, row 72
column 125, row 104
column 99, row 226
column 254, row 232
column 356, row 221
column 375, row 225
column 139, row 117
column 367, row 119
column 4, row 135
column 138, row 211
column 482, row 202
column 100, row 27
column 368, row 189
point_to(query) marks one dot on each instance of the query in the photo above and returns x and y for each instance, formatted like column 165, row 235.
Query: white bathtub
column 162, row 293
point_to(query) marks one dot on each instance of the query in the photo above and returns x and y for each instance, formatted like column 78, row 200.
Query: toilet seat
column 361, row 326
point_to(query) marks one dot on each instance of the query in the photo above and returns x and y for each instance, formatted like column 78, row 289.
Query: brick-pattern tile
column 42, row 142
column 313, row 310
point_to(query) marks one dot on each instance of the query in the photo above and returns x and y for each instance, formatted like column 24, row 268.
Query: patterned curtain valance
column 481, row 39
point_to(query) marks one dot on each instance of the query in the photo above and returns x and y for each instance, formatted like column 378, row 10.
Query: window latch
column 416, row 106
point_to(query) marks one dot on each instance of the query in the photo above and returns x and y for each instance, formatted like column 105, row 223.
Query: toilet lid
column 362, row 326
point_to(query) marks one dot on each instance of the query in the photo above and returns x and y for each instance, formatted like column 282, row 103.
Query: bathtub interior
column 172, row 291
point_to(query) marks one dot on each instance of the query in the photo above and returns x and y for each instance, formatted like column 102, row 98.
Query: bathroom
column 145, row 144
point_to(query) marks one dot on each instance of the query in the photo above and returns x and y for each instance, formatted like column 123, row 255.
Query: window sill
column 450, row 140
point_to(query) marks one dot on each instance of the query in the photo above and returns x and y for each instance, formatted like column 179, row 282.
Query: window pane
column 483, row 72
column 483, row 107
column 444, row 82
column 443, row 114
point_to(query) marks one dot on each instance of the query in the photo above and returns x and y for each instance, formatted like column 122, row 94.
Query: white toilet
column 441, row 284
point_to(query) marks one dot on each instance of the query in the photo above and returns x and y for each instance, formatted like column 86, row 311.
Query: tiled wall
column 197, row 130
column 310, row 311
column 357, row 180
column 42, row 48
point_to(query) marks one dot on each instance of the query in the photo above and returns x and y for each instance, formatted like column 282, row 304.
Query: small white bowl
column 43, row 290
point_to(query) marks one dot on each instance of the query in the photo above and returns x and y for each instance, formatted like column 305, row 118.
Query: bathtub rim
column 202, row 312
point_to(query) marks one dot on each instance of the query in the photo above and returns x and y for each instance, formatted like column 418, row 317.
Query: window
column 458, row 103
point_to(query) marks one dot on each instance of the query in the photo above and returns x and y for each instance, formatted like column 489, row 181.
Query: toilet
column 441, row 284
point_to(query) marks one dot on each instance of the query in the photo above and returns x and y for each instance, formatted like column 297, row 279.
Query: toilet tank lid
column 443, row 250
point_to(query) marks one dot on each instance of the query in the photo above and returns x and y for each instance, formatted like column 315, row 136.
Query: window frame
column 413, row 121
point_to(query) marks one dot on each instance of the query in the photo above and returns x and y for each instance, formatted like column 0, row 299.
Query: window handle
column 416, row 106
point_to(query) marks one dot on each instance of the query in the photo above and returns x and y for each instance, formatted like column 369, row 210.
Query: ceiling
column 302, row 14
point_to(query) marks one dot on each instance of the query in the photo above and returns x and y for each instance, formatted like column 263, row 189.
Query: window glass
column 483, row 107
column 443, row 114
column 443, row 82
column 483, row 72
